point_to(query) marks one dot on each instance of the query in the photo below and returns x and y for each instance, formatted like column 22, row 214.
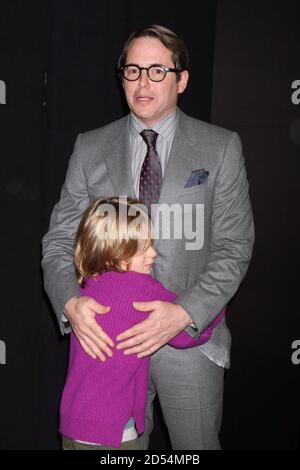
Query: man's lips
column 144, row 98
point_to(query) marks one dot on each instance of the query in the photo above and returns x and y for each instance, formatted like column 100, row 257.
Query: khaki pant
column 70, row 444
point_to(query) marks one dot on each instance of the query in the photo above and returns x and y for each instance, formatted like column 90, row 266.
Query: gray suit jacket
column 204, row 279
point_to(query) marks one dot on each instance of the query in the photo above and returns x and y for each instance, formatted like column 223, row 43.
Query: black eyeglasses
column 155, row 72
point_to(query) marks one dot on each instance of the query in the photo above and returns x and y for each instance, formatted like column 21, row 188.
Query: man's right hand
column 81, row 313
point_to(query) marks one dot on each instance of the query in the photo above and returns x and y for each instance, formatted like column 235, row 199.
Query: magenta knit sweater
column 99, row 397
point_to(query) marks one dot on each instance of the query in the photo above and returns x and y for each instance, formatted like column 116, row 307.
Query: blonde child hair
column 110, row 233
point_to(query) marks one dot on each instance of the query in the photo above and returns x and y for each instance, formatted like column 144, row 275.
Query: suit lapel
column 182, row 160
column 118, row 161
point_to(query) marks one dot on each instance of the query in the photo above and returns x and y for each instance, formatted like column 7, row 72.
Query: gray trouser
column 190, row 392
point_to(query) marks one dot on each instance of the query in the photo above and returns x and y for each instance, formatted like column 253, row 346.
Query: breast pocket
column 198, row 188
column 195, row 193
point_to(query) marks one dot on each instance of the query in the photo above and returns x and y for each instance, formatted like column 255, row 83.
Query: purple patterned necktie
column 151, row 175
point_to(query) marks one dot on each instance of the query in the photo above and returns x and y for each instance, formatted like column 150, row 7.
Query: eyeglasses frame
column 164, row 67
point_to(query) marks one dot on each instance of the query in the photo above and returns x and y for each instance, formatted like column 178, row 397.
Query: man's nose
column 144, row 79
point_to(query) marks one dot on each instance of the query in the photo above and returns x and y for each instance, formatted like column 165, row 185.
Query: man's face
column 152, row 101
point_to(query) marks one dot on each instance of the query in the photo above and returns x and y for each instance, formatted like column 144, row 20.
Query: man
column 196, row 164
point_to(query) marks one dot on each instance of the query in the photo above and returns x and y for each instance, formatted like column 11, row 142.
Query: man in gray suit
column 199, row 166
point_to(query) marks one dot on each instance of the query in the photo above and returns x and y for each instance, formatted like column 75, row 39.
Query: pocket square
column 197, row 177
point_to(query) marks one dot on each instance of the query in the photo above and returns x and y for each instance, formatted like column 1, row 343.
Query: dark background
column 57, row 59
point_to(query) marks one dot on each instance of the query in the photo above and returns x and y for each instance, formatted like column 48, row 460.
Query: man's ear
column 182, row 84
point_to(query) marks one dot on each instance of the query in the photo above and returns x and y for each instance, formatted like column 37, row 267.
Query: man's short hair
column 168, row 38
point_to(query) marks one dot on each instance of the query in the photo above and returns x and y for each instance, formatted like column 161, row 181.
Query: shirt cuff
column 65, row 326
column 64, row 318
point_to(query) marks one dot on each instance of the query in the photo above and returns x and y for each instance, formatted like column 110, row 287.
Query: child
column 103, row 403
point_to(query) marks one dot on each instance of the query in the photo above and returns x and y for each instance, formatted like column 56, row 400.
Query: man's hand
column 81, row 313
column 165, row 321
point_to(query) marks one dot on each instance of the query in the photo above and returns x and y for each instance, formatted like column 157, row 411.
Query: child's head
column 114, row 234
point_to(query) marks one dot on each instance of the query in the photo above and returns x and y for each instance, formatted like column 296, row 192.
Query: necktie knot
column 149, row 136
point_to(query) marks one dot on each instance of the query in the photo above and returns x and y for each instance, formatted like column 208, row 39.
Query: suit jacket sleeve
column 183, row 340
column 59, row 273
column 230, row 244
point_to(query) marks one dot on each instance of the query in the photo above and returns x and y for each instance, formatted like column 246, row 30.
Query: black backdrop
column 57, row 61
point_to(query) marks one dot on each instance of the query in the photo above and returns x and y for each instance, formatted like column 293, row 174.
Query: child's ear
column 128, row 266
column 125, row 265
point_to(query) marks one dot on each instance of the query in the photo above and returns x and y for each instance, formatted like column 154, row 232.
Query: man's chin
column 142, row 114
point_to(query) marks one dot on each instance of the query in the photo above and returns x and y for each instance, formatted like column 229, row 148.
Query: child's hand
column 81, row 313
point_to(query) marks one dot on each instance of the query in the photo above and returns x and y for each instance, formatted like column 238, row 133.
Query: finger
column 100, row 334
column 98, row 343
column 90, row 348
column 149, row 351
column 87, row 349
column 95, row 350
column 142, row 348
column 99, row 308
column 135, row 330
column 145, row 306
column 134, row 341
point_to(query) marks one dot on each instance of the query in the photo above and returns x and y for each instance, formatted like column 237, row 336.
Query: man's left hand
column 165, row 321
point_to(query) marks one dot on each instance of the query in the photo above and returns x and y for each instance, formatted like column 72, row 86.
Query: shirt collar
column 165, row 128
